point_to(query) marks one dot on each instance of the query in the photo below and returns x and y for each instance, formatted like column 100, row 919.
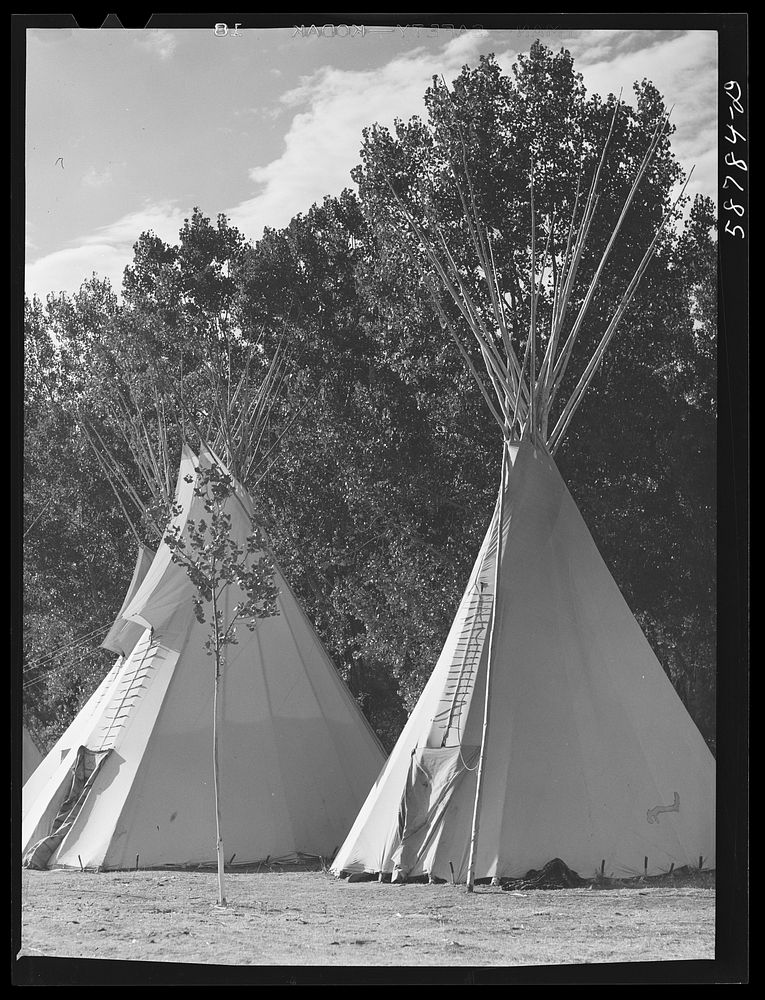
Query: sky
column 129, row 130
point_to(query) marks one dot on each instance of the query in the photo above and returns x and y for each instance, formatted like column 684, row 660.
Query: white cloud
column 159, row 42
column 107, row 251
column 162, row 218
column 65, row 270
column 322, row 143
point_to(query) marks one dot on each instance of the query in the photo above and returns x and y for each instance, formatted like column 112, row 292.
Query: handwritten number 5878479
column 733, row 90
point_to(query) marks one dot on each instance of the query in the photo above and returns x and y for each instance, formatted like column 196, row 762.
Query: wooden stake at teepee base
column 487, row 699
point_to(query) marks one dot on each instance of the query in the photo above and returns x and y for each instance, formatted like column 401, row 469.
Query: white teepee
column 548, row 729
column 131, row 781
column 590, row 754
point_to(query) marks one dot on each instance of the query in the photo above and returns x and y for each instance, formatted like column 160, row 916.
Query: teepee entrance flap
column 434, row 777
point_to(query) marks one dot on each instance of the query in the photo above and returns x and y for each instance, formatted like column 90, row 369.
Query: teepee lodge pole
column 489, row 665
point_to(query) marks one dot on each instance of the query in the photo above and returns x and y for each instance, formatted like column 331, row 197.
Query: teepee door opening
column 82, row 777
column 435, row 775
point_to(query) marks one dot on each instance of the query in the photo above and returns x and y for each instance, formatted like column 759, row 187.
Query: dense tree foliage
column 77, row 548
column 378, row 494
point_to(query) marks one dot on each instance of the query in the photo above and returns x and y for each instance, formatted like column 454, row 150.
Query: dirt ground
column 311, row 918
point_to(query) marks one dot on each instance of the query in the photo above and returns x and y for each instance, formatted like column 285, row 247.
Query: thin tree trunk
column 489, row 664
column 216, row 766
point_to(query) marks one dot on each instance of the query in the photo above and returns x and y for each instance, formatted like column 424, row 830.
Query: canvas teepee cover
column 590, row 753
column 131, row 780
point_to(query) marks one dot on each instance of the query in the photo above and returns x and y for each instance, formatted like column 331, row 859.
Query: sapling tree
column 218, row 564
